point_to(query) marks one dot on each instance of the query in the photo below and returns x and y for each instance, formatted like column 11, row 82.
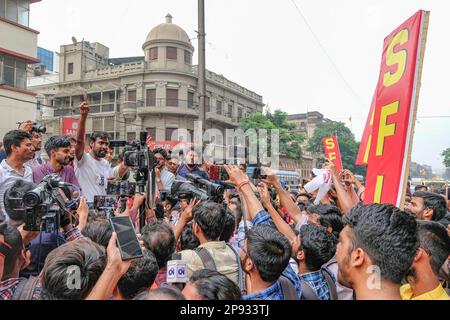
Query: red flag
column 395, row 111
column 331, row 150
column 364, row 147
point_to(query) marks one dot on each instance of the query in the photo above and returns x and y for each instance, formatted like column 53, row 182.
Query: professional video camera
column 199, row 188
column 47, row 204
column 144, row 161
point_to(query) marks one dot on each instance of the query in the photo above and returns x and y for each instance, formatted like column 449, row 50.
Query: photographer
column 121, row 172
column 58, row 150
column 91, row 169
column 164, row 178
column 19, row 150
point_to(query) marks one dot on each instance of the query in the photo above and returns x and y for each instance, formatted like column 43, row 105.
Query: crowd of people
column 261, row 241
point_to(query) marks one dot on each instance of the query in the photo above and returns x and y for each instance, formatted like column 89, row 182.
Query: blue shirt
column 184, row 169
column 317, row 282
column 274, row 292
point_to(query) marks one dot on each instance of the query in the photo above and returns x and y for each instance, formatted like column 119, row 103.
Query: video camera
column 36, row 127
column 199, row 188
column 144, row 160
column 47, row 204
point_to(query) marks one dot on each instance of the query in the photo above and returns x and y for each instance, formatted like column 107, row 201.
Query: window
column 152, row 133
column 153, row 53
column 230, row 111
column 23, row 12
column 131, row 95
column 219, row 107
column 239, row 114
column 190, row 99
column 207, row 104
column 187, row 57
column 171, row 53
column 172, row 97
column 94, row 98
column 2, row 8
column 13, row 71
column 151, row 98
column 70, row 68
column 11, row 10
column 169, row 132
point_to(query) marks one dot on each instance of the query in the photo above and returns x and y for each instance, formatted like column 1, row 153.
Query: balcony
column 169, row 107
column 129, row 110
column 224, row 119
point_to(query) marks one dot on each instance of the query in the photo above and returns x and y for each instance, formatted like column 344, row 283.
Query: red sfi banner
column 331, row 150
column 395, row 110
column 69, row 127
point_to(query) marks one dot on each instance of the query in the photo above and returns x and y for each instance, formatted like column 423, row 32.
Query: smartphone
column 127, row 240
column 105, row 202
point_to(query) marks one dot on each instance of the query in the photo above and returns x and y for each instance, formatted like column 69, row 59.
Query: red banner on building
column 396, row 101
column 331, row 150
column 69, row 126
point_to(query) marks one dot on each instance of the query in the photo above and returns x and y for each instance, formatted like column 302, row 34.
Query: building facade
column 306, row 123
column 156, row 92
column 18, row 45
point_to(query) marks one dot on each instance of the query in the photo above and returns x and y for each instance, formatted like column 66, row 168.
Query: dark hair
column 13, row 139
column 13, row 238
column 212, row 285
column 435, row 240
column 12, row 199
column 433, row 201
column 269, row 250
column 329, row 216
column 387, row 234
column 165, row 293
column 99, row 231
column 139, row 277
column 318, row 245
column 420, row 187
column 159, row 239
column 162, row 152
column 210, row 217
column 88, row 260
column 56, row 142
column 99, row 135
column 188, row 240
column 228, row 227
column 303, row 194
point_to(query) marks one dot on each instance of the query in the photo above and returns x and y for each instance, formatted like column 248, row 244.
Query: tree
column 347, row 144
column 289, row 141
column 446, row 155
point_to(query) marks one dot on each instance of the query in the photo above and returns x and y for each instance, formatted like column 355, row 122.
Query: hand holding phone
column 127, row 240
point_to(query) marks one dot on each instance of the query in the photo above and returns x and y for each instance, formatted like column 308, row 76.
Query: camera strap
column 207, row 259
column 25, row 288
column 4, row 248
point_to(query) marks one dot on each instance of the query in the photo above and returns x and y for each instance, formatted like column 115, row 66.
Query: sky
column 300, row 55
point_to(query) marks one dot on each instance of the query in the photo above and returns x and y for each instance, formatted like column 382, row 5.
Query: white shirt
column 167, row 178
column 92, row 175
column 7, row 178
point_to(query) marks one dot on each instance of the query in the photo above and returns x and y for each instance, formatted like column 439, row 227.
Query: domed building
column 156, row 92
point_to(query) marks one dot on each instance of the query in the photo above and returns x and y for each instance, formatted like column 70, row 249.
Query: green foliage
column 347, row 144
column 446, row 155
column 289, row 141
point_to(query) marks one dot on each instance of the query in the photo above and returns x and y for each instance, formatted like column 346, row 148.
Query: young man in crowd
column 427, row 205
column 191, row 165
column 376, row 248
column 173, row 163
column 423, row 277
column 164, row 178
column 159, row 239
column 19, row 150
column 91, row 169
column 36, row 140
column 58, row 150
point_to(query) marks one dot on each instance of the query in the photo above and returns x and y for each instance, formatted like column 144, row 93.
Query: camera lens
column 31, row 199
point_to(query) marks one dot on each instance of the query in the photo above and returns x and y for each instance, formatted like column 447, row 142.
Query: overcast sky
column 267, row 46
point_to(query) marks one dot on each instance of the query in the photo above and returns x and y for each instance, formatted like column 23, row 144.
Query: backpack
column 208, row 263
column 309, row 293
column 25, row 288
